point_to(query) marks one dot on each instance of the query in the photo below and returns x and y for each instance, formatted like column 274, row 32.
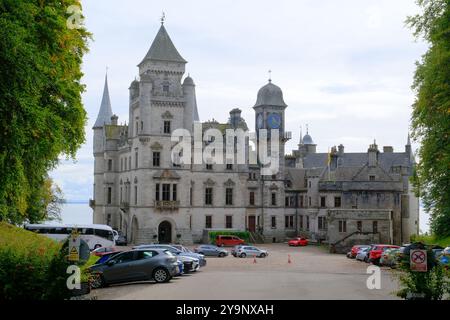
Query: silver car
column 362, row 254
column 250, row 251
column 211, row 250
column 135, row 265
column 190, row 264
column 176, row 251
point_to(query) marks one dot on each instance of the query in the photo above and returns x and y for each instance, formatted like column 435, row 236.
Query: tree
column 41, row 112
column 431, row 112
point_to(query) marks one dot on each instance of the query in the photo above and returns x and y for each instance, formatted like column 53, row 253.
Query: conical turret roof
column 105, row 113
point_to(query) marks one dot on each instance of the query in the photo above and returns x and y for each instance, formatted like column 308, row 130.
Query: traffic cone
column 289, row 258
column 254, row 258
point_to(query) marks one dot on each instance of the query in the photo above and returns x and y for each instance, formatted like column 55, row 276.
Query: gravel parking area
column 312, row 274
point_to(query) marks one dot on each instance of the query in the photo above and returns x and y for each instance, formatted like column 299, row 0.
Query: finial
column 307, row 128
column 163, row 18
column 270, row 75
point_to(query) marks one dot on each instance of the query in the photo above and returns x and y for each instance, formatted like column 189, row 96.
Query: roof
column 163, row 48
column 105, row 113
column 270, row 95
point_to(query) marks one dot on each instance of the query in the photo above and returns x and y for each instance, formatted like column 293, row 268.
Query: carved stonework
column 167, row 115
column 209, row 182
column 229, row 183
column 156, row 146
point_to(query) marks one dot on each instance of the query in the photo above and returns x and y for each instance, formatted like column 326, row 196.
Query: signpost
column 74, row 247
column 418, row 260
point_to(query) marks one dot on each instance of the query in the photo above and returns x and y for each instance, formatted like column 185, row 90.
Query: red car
column 377, row 250
column 355, row 249
column 298, row 242
column 230, row 241
column 104, row 250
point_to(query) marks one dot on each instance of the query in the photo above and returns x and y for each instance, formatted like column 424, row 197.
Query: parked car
column 228, row 241
column 175, row 251
column 389, row 257
column 211, row 250
column 235, row 249
column 363, row 254
column 106, row 257
column 250, row 251
column 121, row 239
column 101, row 251
column 377, row 250
column 298, row 242
column 188, row 252
column 190, row 264
column 180, row 268
column 135, row 265
column 354, row 250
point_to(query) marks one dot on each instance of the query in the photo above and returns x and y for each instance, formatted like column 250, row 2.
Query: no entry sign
column 418, row 260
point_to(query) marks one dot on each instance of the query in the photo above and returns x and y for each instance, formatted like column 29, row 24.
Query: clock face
column 259, row 121
column 274, row 121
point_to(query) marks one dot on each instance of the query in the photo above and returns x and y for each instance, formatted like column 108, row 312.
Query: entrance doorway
column 251, row 223
column 165, row 232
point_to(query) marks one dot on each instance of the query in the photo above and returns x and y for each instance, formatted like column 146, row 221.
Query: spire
column 408, row 142
column 105, row 113
column 162, row 48
column 301, row 135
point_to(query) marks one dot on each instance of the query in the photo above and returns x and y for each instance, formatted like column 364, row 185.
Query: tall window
column 157, row 192
column 208, row 196
column 209, row 166
column 307, row 223
column 208, row 222
column 135, row 195
column 229, row 222
column 323, row 202
column 252, row 198
column 167, row 127
column 359, row 225
column 109, row 195
column 289, row 222
column 125, row 161
column 273, row 222
column 342, row 226
column 190, row 196
column 274, row 199
column 166, row 88
column 229, row 166
column 229, row 196
column 174, row 192
column 375, row 226
column 136, row 159
column 156, row 159
column 121, row 190
column 109, row 165
column 300, row 219
column 121, row 164
column 337, row 202
column 166, row 192
column 322, row 223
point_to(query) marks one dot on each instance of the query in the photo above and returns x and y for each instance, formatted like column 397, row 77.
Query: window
column 167, row 127
column 301, row 201
column 309, row 201
column 190, row 196
column 273, row 222
column 337, row 202
column 342, row 226
column 109, row 165
column 142, row 255
column 274, row 177
column 156, row 159
column 289, row 222
column 142, row 126
column 109, row 195
column 209, row 166
column 309, row 184
column 286, row 201
column 322, row 223
column 359, row 226
column 135, row 195
column 228, row 222
column 125, row 161
column 129, row 162
column 136, row 159
column 166, row 88
column 274, row 199
column 157, row 192
column 208, row 196
column 375, row 226
column 323, row 202
column 121, row 194
column 307, row 223
column 229, row 196
column 166, row 192
column 137, row 127
column 300, row 218
column 208, row 222
column 229, row 166
column 252, row 198
column 174, row 192
column 121, row 164
column 371, row 178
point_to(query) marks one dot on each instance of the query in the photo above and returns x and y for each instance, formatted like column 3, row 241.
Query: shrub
column 244, row 235
column 32, row 266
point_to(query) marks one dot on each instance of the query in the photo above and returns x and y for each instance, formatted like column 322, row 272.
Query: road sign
column 74, row 247
column 418, row 260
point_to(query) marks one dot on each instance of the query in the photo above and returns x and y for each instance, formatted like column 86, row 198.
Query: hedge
column 244, row 235
column 32, row 267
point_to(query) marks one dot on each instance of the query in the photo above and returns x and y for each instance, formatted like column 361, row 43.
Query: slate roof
column 270, row 95
column 163, row 48
column 105, row 113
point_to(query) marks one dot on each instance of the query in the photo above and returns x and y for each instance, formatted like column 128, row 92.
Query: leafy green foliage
column 41, row 112
column 431, row 112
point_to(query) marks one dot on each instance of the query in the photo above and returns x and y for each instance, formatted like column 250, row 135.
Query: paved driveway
column 312, row 274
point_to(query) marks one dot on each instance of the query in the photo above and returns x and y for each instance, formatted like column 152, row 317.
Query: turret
column 103, row 118
column 190, row 107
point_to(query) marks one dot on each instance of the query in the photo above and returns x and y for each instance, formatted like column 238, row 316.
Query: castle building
column 338, row 197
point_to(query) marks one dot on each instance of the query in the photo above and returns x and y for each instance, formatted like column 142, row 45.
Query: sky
column 345, row 67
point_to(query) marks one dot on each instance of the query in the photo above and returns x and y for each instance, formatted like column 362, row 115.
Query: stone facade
column 327, row 197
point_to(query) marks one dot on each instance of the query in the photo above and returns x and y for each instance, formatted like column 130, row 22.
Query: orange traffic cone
column 289, row 258
column 254, row 258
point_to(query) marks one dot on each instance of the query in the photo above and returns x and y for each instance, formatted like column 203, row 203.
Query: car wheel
column 263, row 255
column 161, row 275
column 97, row 246
column 243, row 255
column 97, row 281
